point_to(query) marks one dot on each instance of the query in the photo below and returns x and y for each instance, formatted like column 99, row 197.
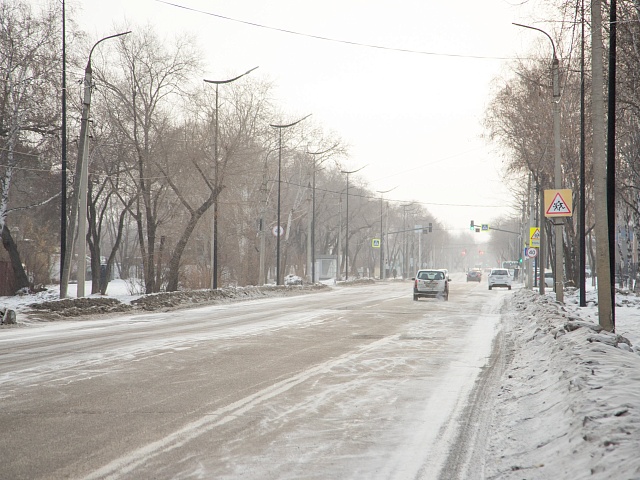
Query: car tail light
column 416, row 283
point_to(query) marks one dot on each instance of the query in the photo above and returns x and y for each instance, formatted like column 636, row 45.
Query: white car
column 430, row 283
column 548, row 278
column 446, row 274
column 292, row 280
column 499, row 277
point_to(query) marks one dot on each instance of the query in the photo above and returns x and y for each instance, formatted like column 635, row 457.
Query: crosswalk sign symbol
column 558, row 203
column 375, row 243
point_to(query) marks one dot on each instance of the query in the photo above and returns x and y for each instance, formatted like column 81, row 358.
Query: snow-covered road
column 352, row 383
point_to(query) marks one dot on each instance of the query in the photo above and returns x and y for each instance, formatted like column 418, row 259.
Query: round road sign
column 275, row 232
column 532, row 252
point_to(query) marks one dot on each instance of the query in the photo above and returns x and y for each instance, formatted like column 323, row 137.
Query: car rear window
column 431, row 275
column 500, row 272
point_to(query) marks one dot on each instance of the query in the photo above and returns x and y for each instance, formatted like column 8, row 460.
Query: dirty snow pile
column 569, row 405
column 121, row 297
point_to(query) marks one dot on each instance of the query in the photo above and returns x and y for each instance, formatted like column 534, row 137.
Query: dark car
column 474, row 276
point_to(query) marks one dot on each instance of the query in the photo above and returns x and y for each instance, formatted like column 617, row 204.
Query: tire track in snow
column 126, row 464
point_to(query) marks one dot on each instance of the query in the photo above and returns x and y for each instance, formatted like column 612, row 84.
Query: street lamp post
column 280, row 127
column 263, row 209
column 84, row 168
column 405, row 246
column 313, row 211
column 63, row 191
column 382, row 243
column 559, row 268
column 214, row 225
column 346, row 248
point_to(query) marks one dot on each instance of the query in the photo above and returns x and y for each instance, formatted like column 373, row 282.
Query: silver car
column 431, row 283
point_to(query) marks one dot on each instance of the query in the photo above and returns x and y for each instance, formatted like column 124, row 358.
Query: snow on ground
column 569, row 403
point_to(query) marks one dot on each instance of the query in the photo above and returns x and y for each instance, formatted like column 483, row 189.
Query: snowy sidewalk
column 569, row 405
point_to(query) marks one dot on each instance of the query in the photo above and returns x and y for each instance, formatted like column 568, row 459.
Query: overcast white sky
column 413, row 118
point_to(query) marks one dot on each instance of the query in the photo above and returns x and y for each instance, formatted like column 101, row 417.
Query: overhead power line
column 329, row 39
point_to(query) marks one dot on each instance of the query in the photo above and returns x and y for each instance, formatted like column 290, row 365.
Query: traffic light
column 471, row 227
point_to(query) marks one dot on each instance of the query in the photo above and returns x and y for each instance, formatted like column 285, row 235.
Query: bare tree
column 243, row 135
column 145, row 88
column 28, row 119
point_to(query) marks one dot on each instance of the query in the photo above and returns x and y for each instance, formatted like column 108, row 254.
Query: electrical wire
column 330, row 39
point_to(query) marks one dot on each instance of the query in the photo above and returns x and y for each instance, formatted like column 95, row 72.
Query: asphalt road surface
column 358, row 382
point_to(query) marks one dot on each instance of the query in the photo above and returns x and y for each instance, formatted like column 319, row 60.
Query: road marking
column 127, row 464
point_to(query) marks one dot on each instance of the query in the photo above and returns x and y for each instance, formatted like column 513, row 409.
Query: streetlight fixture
column 559, row 268
column 214, row 226
column 280, row 127
column 84, row 168
column 346, row 264
column 382, row 244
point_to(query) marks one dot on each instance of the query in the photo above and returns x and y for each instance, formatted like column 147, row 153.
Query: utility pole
column 63, row 191
column 532, row 217
column 339, row 269
column 346, row 238
column 263, row 208
column 583, row 216
column 605, row 313
column 543, row 237
column 558, row 224
column 309, row 232
column 214, row 223
column 280, row 230
column 83, row 167
column 611, row 153
column 382, row 232
column 313, row 208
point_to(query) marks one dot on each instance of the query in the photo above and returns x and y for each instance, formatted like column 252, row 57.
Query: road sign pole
column 558, row 203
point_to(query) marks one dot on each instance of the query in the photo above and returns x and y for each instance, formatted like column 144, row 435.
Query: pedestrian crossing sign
column 375, row 243
column 534, row 237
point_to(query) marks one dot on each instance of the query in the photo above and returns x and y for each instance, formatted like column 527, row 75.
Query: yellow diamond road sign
column 534, row 237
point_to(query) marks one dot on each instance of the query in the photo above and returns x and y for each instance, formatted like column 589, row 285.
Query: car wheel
column 489, row 287
column 509, row 287
column 415, row 298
